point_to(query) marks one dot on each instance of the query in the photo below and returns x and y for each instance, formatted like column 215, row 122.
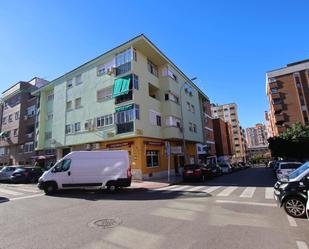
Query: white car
column 285, row 168
column 88, row 169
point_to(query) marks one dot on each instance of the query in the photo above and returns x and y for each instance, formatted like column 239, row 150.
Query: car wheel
column 111, row 187
column 295, row 207
column 50, row 188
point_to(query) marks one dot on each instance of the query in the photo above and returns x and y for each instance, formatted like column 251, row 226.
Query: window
column 171, row 74
column 188, row 106
column 134, row 54
column 105, row 94
column 69, row 105
column 69, row 83
column 62, row 166
column 152, row 157
column 77, row 127
column 15, row 132
column 8, row 133
column 194, row 128
column 28, row 147
column 155, row 118
column 10, row 118
column 30, row 111
column 172, row 97
column 4, row 120
column 152, row 68
column 276, row 101
column 50, row 116
column 190, row 126
column 48, row 135
column 78, row 103
column 137, row 112
column 172, row 121
column 78, row 79
column 135, row 81
column 68, row 129
column 123, row 57
column 17, row 114
column 274, row 90
column 50, row 96
column 105, row 120
column 193, row 108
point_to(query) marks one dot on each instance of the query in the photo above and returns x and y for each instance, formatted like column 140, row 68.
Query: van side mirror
column 306, row 180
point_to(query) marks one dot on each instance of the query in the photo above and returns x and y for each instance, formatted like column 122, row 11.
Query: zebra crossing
column 221, row 191
column 15, row 192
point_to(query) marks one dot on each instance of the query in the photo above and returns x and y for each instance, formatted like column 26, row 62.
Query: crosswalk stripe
column 227, row 191
column 180, row 187
column 269, row 193
column 211, row 189
column 9, row 192
column 301, row 244
column 27, row 190
column 168, row 187
column 248, row 192
column 197, row 188
column 292, row 221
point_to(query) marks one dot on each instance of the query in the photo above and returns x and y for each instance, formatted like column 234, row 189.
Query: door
column 62, row 173
column 176, row 167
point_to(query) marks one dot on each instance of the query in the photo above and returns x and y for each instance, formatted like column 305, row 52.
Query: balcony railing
column 123, row 68
column 275, row 95
column 273, row 85
column 277, row 108
column 124, row 97
column 29, row 135
column 279, row 118
column 125, row 127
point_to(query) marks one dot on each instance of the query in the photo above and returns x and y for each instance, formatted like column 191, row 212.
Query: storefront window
column 152, row 157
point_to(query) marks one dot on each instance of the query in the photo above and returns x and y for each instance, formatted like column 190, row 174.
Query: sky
column 228, row 45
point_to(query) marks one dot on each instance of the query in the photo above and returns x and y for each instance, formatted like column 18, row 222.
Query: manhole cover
column 105, row 223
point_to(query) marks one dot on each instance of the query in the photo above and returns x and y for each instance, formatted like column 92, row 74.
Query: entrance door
column 62, row 173
column 176, row 164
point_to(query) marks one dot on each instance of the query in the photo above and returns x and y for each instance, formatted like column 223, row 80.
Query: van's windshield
column 299, row 171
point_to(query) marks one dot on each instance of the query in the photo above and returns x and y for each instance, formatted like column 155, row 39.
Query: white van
column 88, row 169
column 286, row 168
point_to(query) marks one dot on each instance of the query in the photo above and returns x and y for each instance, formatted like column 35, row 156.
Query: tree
column 293, row 143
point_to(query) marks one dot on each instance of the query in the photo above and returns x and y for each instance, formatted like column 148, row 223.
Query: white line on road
column 301, row 245
column 26, row 197
column 292, row 221
column 248, row 192
column 197, row 188
column 27, row 190
column 269, row 193
column 168, row 187
column 9, row 192
column 248, row 203
column 180, row 187
column 227, row 191
column 211, row 189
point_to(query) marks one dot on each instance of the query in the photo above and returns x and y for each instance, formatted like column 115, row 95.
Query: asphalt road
column 234, row 211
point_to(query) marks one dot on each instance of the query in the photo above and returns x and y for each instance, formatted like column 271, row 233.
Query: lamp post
column 182, row 120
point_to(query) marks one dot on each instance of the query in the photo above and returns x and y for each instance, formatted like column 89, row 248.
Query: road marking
column 180, row 187
column 211, row 189
column 292, row 221
column 269, row 193
column 25, row 197
column 248, row 192
column 248, row 203
column 195, row 188
column 227, row 191
column 27, row 190
column 301, row 244
column 168, row 187
column 9, row 192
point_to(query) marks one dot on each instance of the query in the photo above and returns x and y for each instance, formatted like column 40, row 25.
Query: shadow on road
column 3, row 199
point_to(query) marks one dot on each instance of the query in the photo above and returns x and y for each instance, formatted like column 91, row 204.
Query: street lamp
column 182, row 119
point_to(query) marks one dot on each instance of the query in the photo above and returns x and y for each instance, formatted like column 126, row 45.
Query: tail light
column 197, row 171
column 129, row 173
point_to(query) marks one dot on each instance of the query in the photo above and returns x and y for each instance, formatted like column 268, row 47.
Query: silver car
column 6, row 172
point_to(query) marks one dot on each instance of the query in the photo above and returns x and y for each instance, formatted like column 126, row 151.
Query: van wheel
column 295, row 206
column 50, row 188
column 111, row 187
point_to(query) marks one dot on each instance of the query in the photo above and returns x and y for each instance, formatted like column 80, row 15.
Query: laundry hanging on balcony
column 121, row 86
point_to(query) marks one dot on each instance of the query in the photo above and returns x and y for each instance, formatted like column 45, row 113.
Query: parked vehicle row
column 20, row 174
column 291, row 191
column 201, row 172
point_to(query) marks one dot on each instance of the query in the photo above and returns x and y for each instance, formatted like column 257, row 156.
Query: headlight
column 283, row 185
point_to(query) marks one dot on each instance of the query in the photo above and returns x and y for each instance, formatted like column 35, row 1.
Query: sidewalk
column 155, row 183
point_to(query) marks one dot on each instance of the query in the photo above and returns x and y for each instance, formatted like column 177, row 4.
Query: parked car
column 271, row 164
column 195, row 172
column 6, row 172
column 285, row 168
column 291, row 191
column 226, row 168
column 26, row 175
column 88, row 169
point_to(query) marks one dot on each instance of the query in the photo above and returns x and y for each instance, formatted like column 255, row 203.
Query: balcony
column 273, row 84
column 277, row 108
column 279, row 118
column 124, row 97
column 125, row 127
column 275, row 95
column 281, row 129
column 29, row 135
column 124, row 68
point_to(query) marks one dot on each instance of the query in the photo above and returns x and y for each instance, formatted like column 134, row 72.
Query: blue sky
column 228, row 45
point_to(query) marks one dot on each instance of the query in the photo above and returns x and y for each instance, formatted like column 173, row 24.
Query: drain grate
column 105, row 223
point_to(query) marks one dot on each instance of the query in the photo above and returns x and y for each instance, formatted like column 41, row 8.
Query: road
column 232, row 211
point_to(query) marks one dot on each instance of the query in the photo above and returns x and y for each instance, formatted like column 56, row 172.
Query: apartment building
column 131, row 97
column 269, row 131
column 287, row 90
column 256, row 136
column 228, row 113
column 223, row 139
column 18, row 123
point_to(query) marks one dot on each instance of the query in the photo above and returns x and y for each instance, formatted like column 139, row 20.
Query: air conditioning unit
column 88, row 146
column 139, row 132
